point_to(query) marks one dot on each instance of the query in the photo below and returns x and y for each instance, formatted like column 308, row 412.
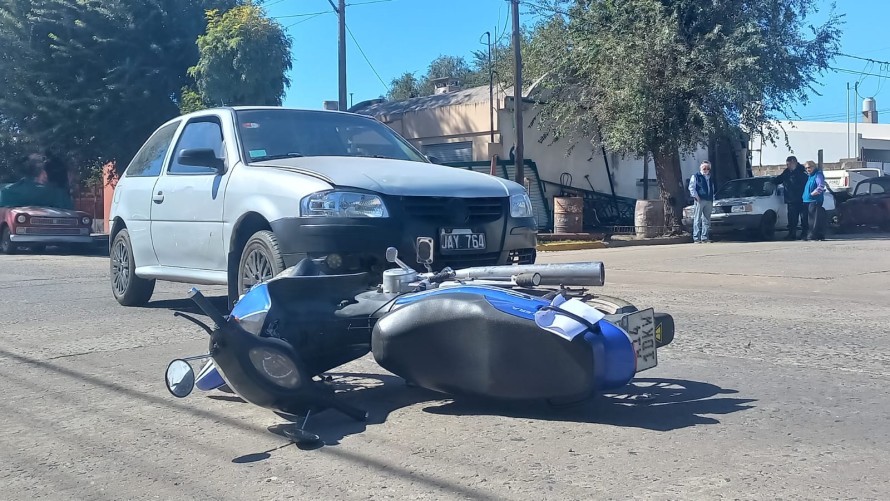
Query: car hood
column 397, row 177
column 46, row 211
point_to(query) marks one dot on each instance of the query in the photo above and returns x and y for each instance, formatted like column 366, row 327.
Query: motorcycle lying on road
column 511, row 332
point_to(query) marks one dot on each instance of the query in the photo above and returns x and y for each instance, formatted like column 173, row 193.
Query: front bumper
column 360, row 244
column 735, row 222
column 50, row 239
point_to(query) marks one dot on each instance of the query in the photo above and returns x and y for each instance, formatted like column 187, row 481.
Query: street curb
column 566, row 246
column 597, row 244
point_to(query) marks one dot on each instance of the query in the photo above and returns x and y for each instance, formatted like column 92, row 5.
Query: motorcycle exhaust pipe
column 591, row 274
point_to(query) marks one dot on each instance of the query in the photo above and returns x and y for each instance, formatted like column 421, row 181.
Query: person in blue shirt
column 701, row 188
column 813, row 197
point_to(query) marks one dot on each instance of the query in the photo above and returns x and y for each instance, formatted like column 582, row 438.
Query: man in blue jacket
column 701, row 188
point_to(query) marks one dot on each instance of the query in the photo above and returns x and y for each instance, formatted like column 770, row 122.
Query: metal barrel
column 592, row 273
column 568, row 213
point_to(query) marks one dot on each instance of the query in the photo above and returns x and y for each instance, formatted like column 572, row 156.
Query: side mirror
column 433, row 159
column 202, row 157
column 180, row 378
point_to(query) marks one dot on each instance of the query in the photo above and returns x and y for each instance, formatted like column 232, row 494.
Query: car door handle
column 159, row 197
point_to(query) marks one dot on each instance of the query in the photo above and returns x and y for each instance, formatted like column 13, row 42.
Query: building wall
column 807, row 138
column 585, row 159
column 449, row 124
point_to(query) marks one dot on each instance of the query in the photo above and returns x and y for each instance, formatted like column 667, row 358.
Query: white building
column 865, row 143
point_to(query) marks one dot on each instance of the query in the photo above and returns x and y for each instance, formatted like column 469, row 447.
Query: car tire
column 261, row 260
column 128, row 289
column 6, row 245
column 611, row 305
column 767, row 229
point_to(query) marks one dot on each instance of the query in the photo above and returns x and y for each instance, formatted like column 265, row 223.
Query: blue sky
column 405, row 35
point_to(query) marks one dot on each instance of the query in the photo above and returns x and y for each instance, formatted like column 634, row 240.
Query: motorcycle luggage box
column 461, row 344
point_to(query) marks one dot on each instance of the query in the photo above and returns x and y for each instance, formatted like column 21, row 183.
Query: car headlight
column 521, row 206
column 21, row 218
column 85, row 220
column 343, row 204
column 742, row 208
column 275, row 366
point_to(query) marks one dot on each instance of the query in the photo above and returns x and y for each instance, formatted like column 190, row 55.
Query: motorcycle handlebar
column 206, row 307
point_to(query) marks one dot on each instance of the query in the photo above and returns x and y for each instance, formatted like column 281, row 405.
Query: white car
column 233, row 196
column 752, row 205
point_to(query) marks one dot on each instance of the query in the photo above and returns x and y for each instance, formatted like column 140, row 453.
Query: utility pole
column 341, row 13
column 490, row 89
column 517, row 96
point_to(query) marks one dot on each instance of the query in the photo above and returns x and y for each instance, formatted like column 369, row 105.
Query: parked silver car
column 232, row 196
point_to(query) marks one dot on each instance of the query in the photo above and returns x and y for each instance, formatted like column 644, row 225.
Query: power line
column 307, row 14
column 855, row 72
column 863, row 58
column 366, row 57
column 307, row 19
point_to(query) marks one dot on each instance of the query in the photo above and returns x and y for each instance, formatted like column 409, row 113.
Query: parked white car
column 233, row 196
column 752, row 205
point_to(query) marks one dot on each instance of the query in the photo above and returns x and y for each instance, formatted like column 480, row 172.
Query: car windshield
column 278, row 133
column 742, row 188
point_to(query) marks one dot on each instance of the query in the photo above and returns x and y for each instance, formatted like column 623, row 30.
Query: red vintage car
column 868, row 206
column 37, row 227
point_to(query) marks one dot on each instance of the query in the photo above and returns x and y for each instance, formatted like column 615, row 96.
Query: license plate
column 461, row 239
column 640, row 325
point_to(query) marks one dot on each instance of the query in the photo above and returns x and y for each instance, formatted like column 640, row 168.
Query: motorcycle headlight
column 275, row 366
column 343, row 204
column 521, row 206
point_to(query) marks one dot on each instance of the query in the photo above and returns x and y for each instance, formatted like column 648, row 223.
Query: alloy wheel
column 120, row 267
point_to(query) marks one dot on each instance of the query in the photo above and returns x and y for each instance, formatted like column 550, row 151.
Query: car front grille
column 32, row 230
column 54, row 221
column 456, row 211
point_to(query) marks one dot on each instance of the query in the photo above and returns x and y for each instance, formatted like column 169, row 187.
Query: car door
column 187, row 203
column 132, row 196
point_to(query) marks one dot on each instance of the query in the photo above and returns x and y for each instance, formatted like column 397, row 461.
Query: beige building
column 463, row 125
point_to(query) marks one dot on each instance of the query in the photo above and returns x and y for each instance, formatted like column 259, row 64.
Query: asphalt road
column 775, row 387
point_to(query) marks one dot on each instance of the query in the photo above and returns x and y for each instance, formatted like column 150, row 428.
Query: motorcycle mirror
column 180, row 378
column 392, row 254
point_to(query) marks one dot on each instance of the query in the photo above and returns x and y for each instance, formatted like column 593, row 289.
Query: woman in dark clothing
column 813, row 197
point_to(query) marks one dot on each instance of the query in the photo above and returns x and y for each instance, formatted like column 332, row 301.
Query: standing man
column 794, row 177
column 701, row 188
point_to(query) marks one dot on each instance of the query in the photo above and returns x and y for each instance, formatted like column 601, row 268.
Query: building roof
column 472, row 95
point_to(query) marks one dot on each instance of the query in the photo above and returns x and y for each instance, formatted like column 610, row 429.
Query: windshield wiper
column 277, row 157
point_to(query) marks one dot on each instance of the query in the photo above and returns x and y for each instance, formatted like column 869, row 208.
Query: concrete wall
column 449, row 124
column 585, row 159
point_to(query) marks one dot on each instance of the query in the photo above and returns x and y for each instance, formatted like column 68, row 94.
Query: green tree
column 664, row 76
column 245, row 57
column 404, row 87
column 92, row 79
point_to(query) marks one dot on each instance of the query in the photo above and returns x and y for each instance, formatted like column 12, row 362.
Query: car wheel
column 767, row 230
column 260, row 260
column 6, row 245
column 611, row 305
column 128, row 289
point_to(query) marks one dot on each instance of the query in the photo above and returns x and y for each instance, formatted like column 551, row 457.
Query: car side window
column 150, row 158
column 205, row 132
column 877, row 189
